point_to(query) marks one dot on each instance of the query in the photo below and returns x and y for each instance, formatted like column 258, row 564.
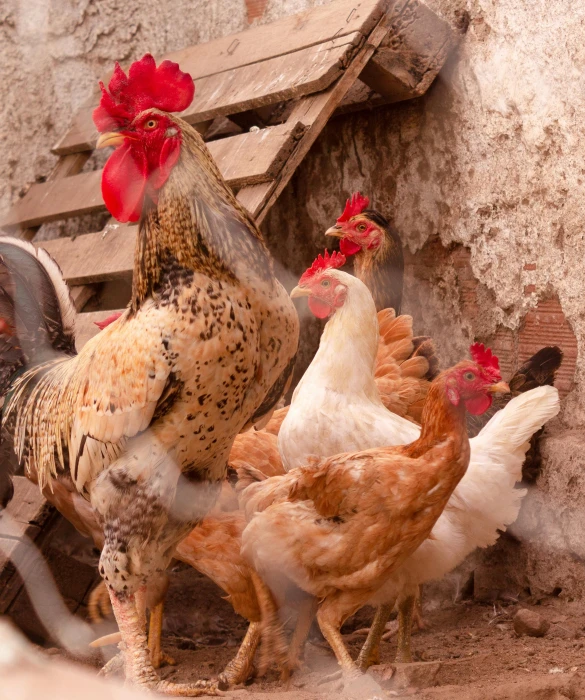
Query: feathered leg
column 241, row 667
column 370, row 652
column 405, row 618
column 137, row 666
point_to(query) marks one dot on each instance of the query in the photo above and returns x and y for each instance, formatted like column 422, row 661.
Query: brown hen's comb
column 353, row 207
column 322, row 263
column 145, row 87
column 487, row 360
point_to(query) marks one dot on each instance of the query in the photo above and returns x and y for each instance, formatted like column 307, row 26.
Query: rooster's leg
column 157, row 655
column 137, row 666
column 305, row 619
column 240, row 668
column 405, row 617
column 370, row 652
column 274, row 646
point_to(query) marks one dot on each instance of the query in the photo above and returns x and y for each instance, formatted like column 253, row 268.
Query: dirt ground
column 468, row 651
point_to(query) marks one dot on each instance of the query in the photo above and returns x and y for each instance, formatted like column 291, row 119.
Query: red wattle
column 348, row 247
column 124, row 182
column 478, row 405
column 320, row 309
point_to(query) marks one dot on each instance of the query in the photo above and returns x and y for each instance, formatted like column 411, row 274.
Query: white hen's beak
column 299, row 291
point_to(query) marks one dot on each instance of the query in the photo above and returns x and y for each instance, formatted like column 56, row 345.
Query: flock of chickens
column 163, row 438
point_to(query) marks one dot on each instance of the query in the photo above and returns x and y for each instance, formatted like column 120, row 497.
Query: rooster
column 347, row 522
column 144, row 417
column 340, row 406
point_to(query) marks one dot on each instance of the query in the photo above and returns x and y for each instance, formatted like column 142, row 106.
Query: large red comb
column 166, row 88
column 487, row 360
column 353, row 207
column 322, row 263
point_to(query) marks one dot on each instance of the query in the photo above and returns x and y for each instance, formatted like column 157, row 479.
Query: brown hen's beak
column 336, row 231
column 499, row 388
column 110, row 138
column 300, row 292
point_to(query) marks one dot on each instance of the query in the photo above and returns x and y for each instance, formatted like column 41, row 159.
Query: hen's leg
column 330, row 624
column 98, row 605
column 240, row 668
column 370, row 652
column 137, row 666
column 405, row 616
column 307, row 612
column 157, row 655
column 274, row 647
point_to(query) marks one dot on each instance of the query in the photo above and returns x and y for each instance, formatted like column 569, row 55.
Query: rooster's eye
column 361, row 227
column 151, row 124
column 469, row 376
column 325, row 283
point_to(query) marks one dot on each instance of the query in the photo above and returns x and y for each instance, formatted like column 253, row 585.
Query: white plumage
column 336, row 408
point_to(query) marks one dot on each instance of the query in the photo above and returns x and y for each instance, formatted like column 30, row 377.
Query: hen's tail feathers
column 37, row 316
column 539, row 370
column 405, row 365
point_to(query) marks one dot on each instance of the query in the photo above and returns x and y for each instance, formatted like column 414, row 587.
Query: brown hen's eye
column 361, row 227
column 151, row 124
column 469, row 376
column 325, row 283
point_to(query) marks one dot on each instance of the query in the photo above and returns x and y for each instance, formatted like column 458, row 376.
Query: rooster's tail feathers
column 37, row 316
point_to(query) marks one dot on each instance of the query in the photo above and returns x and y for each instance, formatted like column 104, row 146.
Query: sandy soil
column 468, row 651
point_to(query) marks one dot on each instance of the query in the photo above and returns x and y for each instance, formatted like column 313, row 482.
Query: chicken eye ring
column 470, row 376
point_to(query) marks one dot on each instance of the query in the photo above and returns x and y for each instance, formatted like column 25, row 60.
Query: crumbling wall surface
column 52, row 52
column 484, row 179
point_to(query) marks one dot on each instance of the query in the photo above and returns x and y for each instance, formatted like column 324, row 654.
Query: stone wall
column 483, row 177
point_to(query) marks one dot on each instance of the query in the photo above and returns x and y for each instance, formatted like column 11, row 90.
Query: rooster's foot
column 186, row 690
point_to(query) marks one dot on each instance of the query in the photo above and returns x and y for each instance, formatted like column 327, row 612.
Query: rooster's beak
column 499, row 388
column 336, row 231
column 300, row 292
column 110, row 138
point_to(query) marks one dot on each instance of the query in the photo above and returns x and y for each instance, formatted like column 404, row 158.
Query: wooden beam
column 245, row 159
column 241, row 89
column 407, row 61
column 314, row 111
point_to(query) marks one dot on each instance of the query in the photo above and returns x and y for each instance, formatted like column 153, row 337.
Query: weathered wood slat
column 248, row 87
column 408, row 60
column 95, row 257
column 314, row 111
column 245, row 159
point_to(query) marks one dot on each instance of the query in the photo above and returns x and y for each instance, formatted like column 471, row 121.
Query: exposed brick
column 529, row 289
column 255, row 8
column 530, row 266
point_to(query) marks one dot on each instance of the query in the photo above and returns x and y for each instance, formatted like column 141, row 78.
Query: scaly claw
column 114, row 665
column 187, row 690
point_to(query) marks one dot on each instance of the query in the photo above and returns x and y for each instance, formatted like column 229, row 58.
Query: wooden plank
column 314, row 111
column 244, row 159
column 95, row 257
column 408, row 60
column 253, row 197
column 85, row 327
column 241, row 89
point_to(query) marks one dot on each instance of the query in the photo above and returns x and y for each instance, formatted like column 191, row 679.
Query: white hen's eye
column 469, row 376
column 325, row 283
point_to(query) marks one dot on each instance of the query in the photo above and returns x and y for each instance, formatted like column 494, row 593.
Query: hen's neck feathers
column 197, row 224
column 382, row 270
column 440, row 418
column 346, row 356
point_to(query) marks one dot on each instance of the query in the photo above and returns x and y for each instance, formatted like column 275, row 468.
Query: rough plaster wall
column 489, row 159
